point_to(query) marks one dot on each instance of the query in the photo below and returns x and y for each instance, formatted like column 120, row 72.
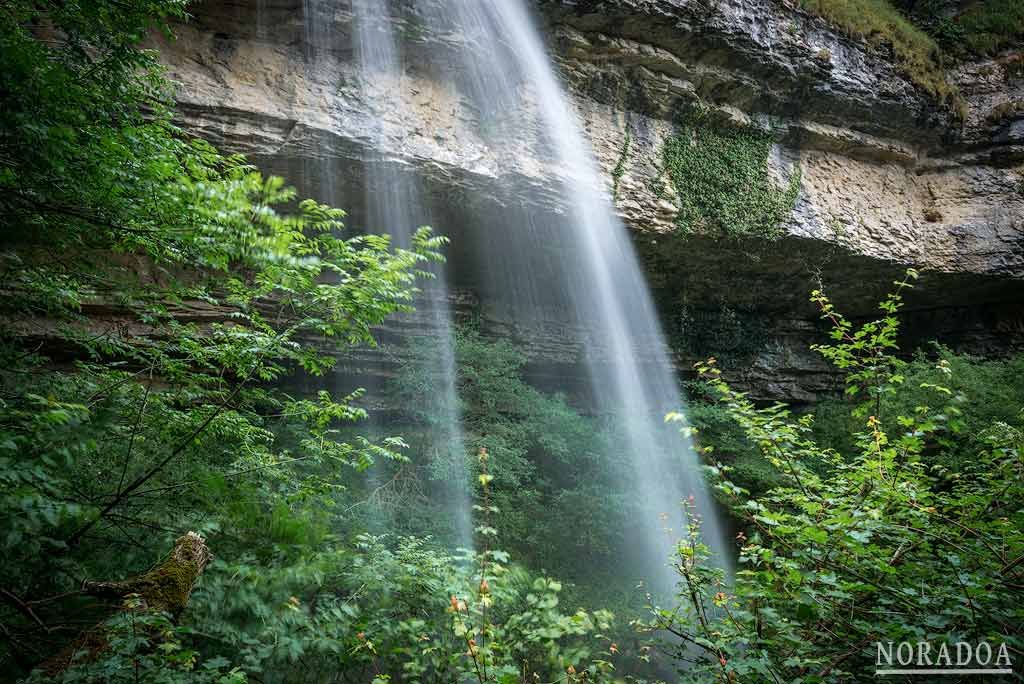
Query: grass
column 879, row 23
column 990, row 26
column 927, row 40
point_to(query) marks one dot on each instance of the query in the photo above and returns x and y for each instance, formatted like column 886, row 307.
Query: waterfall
column 570, row 264
column 507, row 70
column 393, row 205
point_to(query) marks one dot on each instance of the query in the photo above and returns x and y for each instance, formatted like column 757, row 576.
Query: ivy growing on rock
column 620, row 166
column 730, row 333
column 722, row 184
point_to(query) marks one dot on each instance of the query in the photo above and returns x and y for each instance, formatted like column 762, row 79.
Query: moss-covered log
column 165, row 588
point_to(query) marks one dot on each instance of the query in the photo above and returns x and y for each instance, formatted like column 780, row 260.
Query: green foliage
column 503, row 647
column 933, row 17
column 720, row 174
column 991, row 26
column 978, row 28
column 87, row 147
column 714, row 427
column 146, row 435
column 995, row 389
column 884, row 547
column 557, row 488
column 147, row 647
column 396, row 607
column 182, row 397
column 865, row 354
column 620, row 166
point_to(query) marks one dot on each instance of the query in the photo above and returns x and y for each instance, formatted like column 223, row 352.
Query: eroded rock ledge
column 889, row 178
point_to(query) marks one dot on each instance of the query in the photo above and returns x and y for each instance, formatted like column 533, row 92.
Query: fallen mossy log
column 166, row 588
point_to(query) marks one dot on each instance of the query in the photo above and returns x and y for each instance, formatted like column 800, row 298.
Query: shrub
column 556, row 480
column 992, row 392
column 715, row 427
column 885, row 547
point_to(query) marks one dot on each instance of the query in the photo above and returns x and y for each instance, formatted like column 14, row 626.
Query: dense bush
column 994, row 389
column 557, row 486
column 714, row 426
column 885, row 547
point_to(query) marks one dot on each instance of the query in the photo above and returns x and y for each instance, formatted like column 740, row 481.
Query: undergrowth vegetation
column 879, row 543
column 155, row 296
column 995, row 388
column 560, row 492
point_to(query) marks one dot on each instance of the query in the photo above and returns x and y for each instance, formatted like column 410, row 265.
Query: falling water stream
column 394, row 205
column 577, row 257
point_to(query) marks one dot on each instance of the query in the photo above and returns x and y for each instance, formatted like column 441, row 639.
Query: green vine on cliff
column 620, row 166
column 720, row 174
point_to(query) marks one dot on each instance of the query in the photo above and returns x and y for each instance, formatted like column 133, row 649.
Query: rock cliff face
column 888, row 178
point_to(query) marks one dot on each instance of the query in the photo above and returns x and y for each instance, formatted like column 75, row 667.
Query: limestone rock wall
column 889, row 178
